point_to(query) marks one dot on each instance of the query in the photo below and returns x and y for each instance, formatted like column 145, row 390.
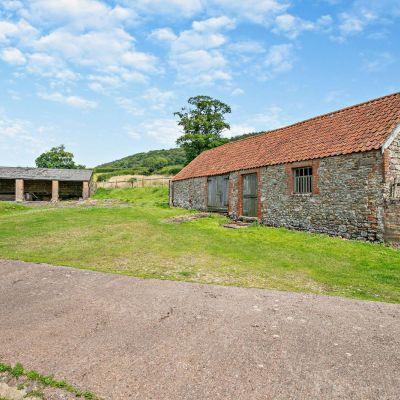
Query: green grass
column 139, row 241
column 157, row 196
column 45, row 380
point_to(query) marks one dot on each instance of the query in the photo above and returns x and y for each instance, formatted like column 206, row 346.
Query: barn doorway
column 250, row 195
column 218, row 193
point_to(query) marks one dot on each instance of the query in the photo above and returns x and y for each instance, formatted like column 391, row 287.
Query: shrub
column 170, row 170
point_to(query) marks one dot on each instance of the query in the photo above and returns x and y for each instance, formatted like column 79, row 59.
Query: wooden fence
column 134, row 183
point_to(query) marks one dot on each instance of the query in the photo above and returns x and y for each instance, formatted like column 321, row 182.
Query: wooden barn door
column 218, row 192
column 250, row 195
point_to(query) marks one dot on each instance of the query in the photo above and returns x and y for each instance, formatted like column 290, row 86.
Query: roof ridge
column 321, row 116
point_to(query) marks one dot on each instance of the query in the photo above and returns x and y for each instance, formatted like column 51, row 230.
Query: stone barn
column 337, row 174
column 42, row 184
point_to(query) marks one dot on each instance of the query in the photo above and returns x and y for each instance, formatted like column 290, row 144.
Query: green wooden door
column 218, row 192
column 250, row 195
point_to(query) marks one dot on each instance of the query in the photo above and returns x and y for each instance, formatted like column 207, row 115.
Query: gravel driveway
column 128, row 338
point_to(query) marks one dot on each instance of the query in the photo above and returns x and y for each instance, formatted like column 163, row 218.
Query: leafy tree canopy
column 202, row 125
column 154, row 163
column 57, row 157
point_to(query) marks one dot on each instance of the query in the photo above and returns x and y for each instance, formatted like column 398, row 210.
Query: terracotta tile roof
column 359, row 128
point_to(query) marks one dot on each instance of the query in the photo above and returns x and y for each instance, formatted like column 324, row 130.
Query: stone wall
column 392, row 192
column 190, row 193
column 7, row 189
column 69, row 190
column 347, row 199
column 7, row 185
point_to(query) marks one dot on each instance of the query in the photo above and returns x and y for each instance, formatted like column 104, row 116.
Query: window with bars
column 302, row 180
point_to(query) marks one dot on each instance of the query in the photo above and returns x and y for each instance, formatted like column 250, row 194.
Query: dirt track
column 127, row 338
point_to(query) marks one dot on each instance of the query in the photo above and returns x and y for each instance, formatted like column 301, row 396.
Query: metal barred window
column 302, row 180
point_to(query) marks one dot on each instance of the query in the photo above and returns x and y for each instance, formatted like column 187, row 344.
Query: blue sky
column 104, row 77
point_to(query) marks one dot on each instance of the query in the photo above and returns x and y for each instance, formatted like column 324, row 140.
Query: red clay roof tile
column 359, row 128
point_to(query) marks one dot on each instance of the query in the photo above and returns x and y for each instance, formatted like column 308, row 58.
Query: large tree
column 57, row 157
column 202, row 124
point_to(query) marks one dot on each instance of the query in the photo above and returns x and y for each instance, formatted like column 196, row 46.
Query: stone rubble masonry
column 392, row 192
column 349, row 196
column 190, row 193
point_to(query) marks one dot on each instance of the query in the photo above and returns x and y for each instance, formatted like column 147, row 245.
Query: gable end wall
column 190, row 193
column 392, row 203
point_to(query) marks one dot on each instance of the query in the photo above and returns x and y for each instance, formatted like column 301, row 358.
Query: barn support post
column 19, row 190
column 85, row 190
column 55, row 191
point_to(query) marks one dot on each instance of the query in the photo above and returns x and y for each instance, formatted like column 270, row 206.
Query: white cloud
column 213, row 24
column 12, row 55
column 80, row 14
column 364, row 14
column 22, row 137
column 279, row 59
column 272, row 118
column 12, row 5
column 247, row 47
column 238, row 129
column 141, row 61
column 163, row 34
column 20, row 30
column 354, row 23
column 90, row 49
column 77, row 38
column 293, row 26
column 237, row 92
column 157, row 98
column 50, row 67
column 179, row 8
column 13, row 127
column 162, row 131
column 129, row 106
column 258, row 11
column 195, row 54
column 74, row 101
column 132, row 132
column 200, row 67
column 377, row 62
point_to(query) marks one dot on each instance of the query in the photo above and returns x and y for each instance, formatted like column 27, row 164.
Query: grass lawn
column 139, row 241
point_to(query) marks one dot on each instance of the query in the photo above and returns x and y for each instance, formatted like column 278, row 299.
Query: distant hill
column 164, row 162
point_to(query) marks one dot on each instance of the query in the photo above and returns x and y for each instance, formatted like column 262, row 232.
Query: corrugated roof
column 45, row 174
column 359, row 128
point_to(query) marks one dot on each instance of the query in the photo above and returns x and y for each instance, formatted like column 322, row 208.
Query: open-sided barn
column 32, row 184
column 338, row 174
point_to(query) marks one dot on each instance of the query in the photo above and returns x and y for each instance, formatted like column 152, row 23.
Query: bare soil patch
column 127, row 338
column 178, row 219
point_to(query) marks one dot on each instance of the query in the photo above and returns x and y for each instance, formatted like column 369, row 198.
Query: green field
column 140, row 241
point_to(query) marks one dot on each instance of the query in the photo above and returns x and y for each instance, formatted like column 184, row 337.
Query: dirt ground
column 127, row 338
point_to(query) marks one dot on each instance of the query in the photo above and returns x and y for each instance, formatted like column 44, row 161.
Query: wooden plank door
column 250, row 195
column 212, row 192
column 218, row 192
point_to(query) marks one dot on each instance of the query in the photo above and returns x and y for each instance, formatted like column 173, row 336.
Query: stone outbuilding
column 43, row 184
column 337, row 174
